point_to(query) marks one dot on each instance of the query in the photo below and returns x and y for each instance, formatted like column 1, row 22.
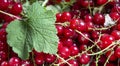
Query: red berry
column 116, row 34
column 81, row 26
column 101, row 2
column 68, row 33
column 67, row 42
column 4, row 4
column 60, row 44
column 74, row 23
column 98, row 19
column 113, row 57
column 86, row 3
column 50, row 58
column 114, row 15
column 16, row 9
column 117, row 52
column 4, row 63
column 25, row 63
column 59, row 30
column 88, row 18
column 82, row 39
column 66, row 16
column 84, row 59
column 64, row 52
column 82, row 47
column 14, row 61
column 74, row 50
column 58, row 17
column 95, row 34
column 73, row 62
column 39, row 60
column 107, row 40
column 89, row 26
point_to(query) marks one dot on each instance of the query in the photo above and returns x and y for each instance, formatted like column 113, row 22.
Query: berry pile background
column 59, row 32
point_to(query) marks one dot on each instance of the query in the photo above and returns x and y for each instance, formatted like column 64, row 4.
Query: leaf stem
column 44, row 3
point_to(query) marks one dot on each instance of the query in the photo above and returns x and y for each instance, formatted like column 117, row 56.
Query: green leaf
column 54, row 9
column 19, row 38
column 37, row 32
column 42, row 21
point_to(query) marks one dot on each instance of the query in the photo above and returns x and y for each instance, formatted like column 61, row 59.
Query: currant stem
column 114, row 43
column 97, row 59
column 103, row 28
column 108, row 58
column 11, row 15
column 64, row 61
column 63, row 24
column 84, row 36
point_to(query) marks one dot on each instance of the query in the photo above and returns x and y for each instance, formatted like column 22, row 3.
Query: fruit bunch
column 88, row 32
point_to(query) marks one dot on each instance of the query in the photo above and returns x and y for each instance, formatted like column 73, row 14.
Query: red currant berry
column 116, row 34
column 82, row 39
column 114, row 15
column 39, row 60
column 50, row 58
column 74, row 23
column 59, row 30
column 98, row 19
column 14, row 61
column 66, row 16
column 74, row 50
column 101, row 2
column 113, row 57
column 88, row 18
column 67, row 42
column 25, row 63
column 64, row 52
column 73, row 62
column 68, row 33
column 4, row 4
column 81, row 26
column 16, row 9
column 58, row 17
column 4, row 63
column 84, row 59
column 117, row 52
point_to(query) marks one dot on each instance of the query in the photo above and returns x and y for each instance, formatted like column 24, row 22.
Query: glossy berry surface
column 64, row 52
column 84, row 59
column 4, row 4
column 88, row 33
column 4, row 63
column 117, row 52
column 16, row 9
column 99, row 19
column 101, row 2
column 66, row 16
column 14, row 61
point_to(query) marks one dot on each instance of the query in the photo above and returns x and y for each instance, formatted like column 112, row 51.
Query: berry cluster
column 84, row 37
column 9, row 10
column 89, row 34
